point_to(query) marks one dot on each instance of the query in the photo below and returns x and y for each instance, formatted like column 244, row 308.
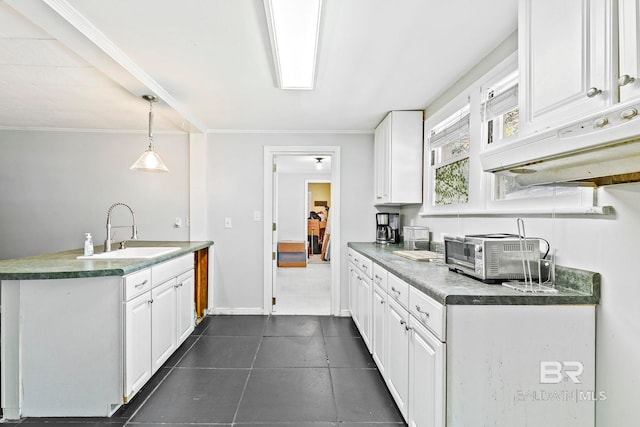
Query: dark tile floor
column 243, row 371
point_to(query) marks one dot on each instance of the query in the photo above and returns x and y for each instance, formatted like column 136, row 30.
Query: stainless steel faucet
column 134, row 229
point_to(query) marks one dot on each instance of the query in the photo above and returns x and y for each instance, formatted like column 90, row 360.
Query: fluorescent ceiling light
column 294, row 27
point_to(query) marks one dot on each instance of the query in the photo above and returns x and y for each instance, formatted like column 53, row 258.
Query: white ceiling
column 84, row 63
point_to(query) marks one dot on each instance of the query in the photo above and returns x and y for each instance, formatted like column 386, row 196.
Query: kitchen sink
column 135, row 252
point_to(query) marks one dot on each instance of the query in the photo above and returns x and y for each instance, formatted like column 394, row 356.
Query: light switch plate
column 227, row 223
column 256, row 216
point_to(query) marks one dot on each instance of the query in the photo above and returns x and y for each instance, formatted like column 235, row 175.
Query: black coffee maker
column 387, row 228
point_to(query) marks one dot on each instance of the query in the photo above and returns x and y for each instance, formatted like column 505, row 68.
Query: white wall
column 292, row 211
column 235, row 190
column 55, row 186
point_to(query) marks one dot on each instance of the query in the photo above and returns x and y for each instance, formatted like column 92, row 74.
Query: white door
column 137, row 343
column 629, row 24
column 364, row 300
column 163, row 322
column 426, row 379
column 185, row 303
column 274, row 236
column 379, row 329
column 398, row 356
column 572, row 39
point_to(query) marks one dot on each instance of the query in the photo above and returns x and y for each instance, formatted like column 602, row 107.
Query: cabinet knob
column 402, row 322
column 601, row 122
column 593, row 92
column 625, row 79
column 150, row 301
column 407, row 328
column 381, row 301
column 629, row 113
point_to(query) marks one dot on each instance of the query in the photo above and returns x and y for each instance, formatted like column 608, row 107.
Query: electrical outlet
column 227, row 223
column 178, row 222
column 256, row 216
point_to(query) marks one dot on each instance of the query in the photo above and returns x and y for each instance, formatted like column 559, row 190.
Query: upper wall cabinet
column 398, row 159
column 566, row 60
column 629, row 61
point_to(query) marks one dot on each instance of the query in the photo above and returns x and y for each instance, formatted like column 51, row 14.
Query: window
column 485, row 113
column 449, row 147
column 499, row 110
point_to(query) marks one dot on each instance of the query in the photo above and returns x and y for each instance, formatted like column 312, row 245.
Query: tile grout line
column 333, row 391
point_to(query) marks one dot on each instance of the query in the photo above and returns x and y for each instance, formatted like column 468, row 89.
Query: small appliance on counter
column 387, row 228
column 493, row 258
column 416, row 238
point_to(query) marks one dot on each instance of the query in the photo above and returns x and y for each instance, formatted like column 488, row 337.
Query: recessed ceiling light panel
column 294, row 27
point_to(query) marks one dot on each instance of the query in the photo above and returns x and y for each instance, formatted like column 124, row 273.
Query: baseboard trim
column 345, row 313
column 236, row 310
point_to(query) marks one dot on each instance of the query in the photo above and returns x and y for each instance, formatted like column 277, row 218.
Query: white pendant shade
column 149, row 161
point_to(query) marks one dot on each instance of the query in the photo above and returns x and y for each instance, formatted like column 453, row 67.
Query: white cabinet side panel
column 71, row 347
column 494, row 359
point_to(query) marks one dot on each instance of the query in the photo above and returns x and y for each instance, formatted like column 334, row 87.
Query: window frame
column 482, row 184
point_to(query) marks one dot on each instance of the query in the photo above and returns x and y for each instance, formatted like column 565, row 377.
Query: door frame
column 270, row 152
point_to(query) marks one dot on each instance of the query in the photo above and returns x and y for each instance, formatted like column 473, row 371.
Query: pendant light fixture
column 150, row 161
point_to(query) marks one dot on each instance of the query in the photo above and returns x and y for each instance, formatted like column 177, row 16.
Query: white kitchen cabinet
column 164, row 323
column 467, row 365
column 365, row 296
column 353, row 293
column 427, row 376
column 628, row 45
column 398, row 159
column 397, row 367
column 186, row 305
column 137, row 343
column 566, row 61
column 379, row 319
column 150, row 342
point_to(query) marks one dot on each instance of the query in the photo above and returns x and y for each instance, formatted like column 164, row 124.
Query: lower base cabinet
column 481, row 365
column 397, row 369
column 159, row 316
column 427, row 379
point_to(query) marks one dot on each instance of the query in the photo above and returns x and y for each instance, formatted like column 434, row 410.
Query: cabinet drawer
column 398, row 289
column 428, row 311
column 366, row 266
column 380, row 277
column 136, row 283
column 162, row 272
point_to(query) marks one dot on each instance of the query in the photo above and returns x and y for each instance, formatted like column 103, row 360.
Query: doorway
column 311, row 286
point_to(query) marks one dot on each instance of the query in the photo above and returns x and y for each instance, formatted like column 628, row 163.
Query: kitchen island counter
column 450, row 288
column 65, row 265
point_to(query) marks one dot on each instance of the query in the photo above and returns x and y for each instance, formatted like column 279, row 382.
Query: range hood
column 602, row 145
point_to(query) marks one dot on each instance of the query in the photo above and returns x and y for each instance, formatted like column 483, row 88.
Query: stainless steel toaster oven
column 492, row 258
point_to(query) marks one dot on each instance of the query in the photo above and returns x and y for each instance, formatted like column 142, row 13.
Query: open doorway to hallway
column 302, row 281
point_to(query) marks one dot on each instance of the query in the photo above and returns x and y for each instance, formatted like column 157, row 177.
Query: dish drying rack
column 528, row 285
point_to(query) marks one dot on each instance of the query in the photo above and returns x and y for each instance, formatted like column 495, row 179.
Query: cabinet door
column 353, row 293
column 382, row 156
column 565, row 60
column 137, row 344
column 364, row 309
column 163, row 323
column 378, row 334
column 629, row 61
column 398, row 355
column 426, row 378
column 185, row 303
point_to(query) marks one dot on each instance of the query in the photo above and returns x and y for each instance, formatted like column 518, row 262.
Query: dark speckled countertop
column 446, row 287
column 64, row 265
